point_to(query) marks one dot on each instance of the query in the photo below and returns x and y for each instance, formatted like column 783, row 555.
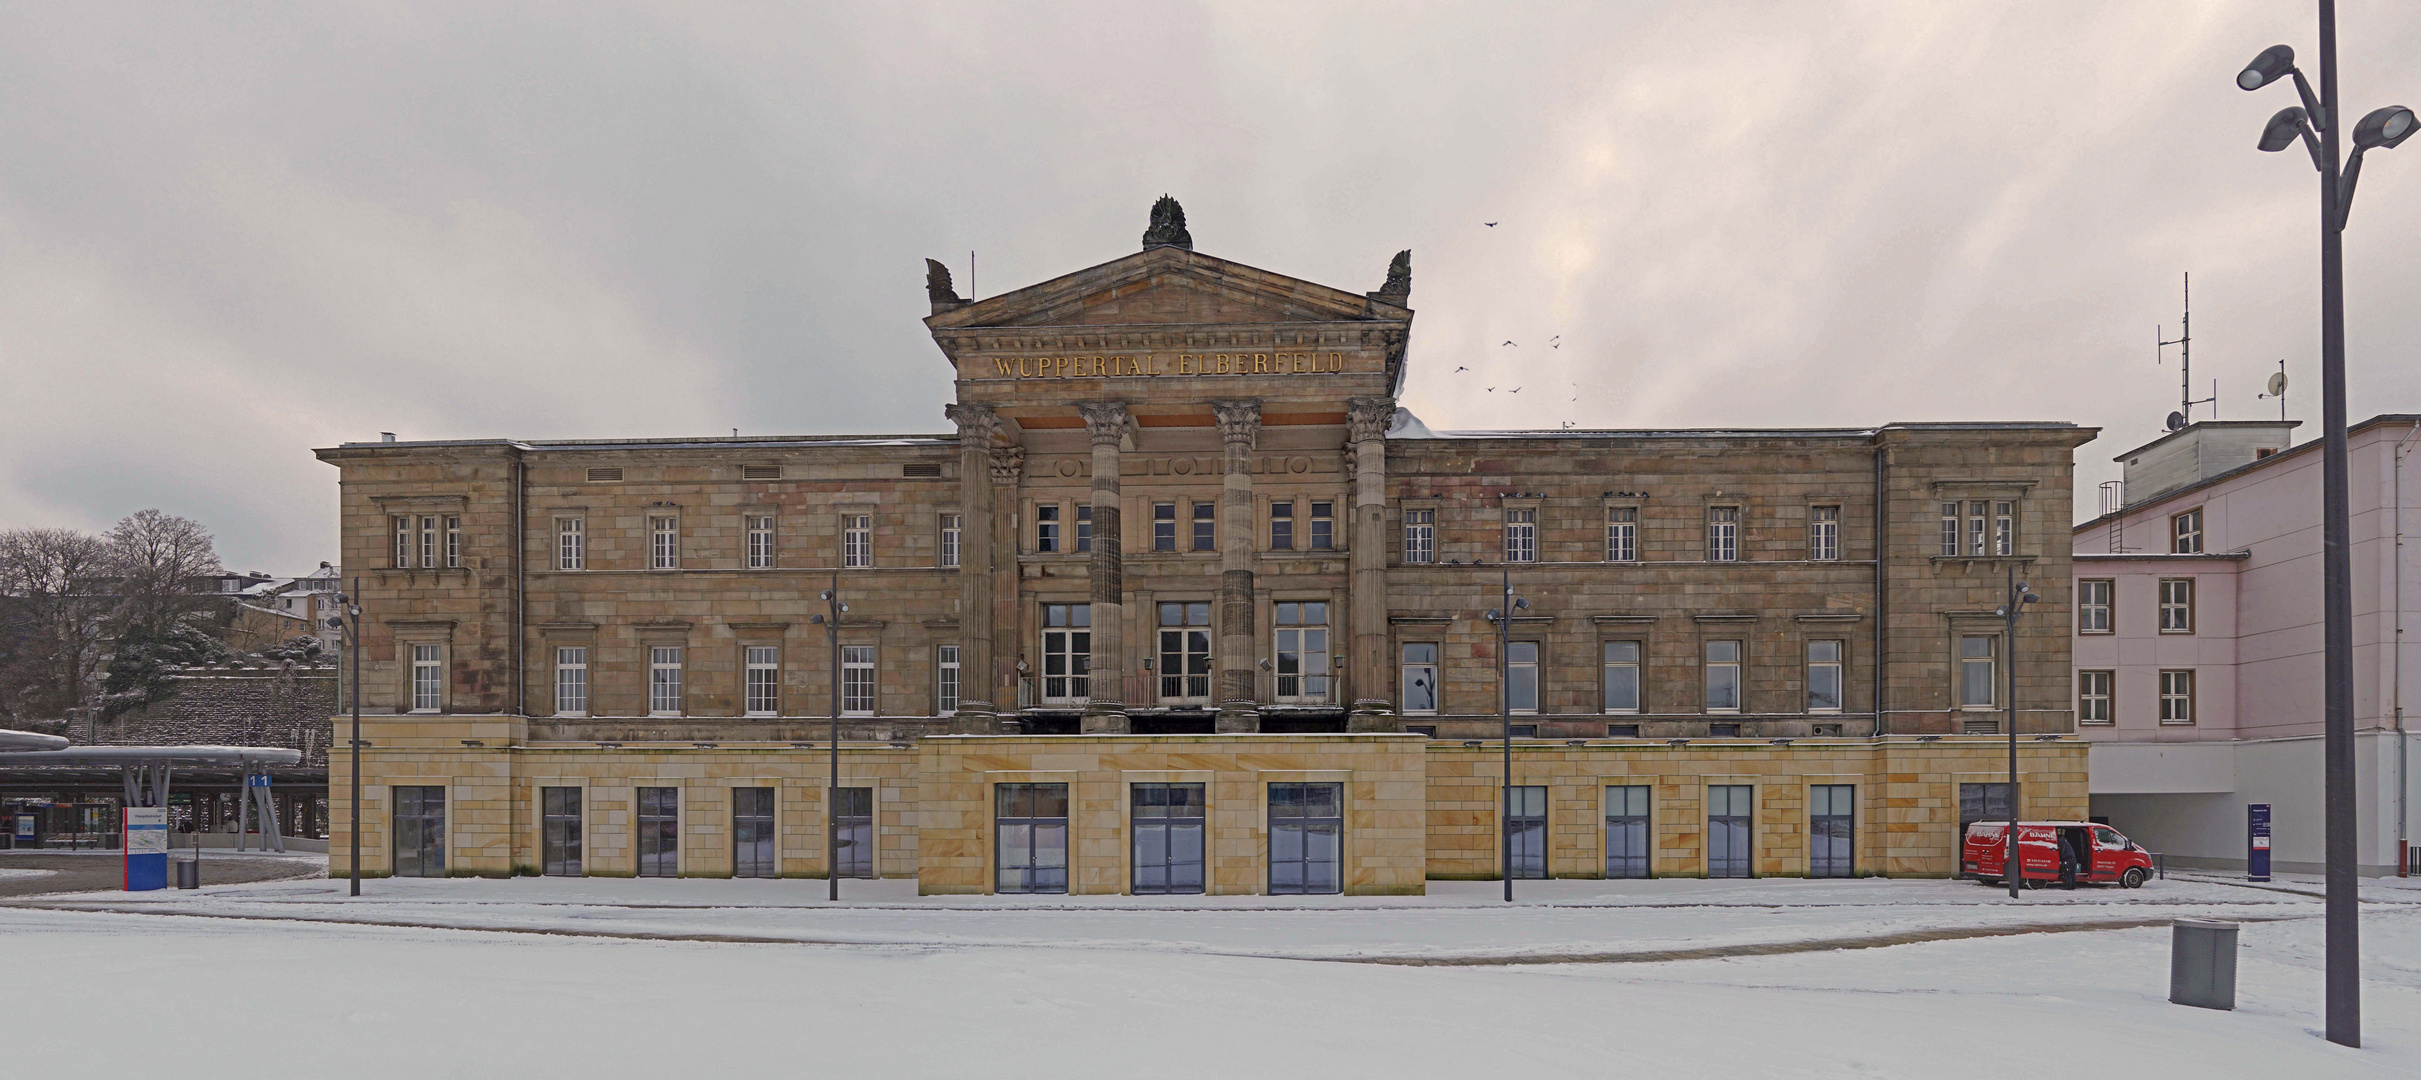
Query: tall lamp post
column 349, row 639
column 2381, row 129
column 831, row 621
column 1502, row 616
column 2017, row 599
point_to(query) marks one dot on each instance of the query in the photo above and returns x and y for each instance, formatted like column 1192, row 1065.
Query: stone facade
column 1179, row 503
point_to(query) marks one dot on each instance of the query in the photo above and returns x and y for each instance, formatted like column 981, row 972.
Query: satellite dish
column 2176, row 421
column 2278, row 384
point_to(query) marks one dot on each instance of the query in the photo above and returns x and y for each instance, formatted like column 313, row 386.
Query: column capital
column 1369, row 417
column 1239, row 421
column 1105, row 421
column 978, row 425
column 1008, row 463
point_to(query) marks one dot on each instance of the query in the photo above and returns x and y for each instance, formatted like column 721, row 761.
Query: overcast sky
column 229, row 235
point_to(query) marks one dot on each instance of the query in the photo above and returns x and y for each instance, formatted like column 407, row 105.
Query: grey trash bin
column 189, row 874
column 2202, row 963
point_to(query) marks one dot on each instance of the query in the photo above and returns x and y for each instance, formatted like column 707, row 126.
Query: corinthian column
column 978, row 426
column 1239, row 426
column 1366, row 444
column 1105, row 714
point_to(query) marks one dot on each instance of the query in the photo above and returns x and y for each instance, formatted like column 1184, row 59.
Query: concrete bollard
column 2202, row 963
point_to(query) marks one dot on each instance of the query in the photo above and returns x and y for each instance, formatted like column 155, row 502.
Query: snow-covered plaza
column 604, row 978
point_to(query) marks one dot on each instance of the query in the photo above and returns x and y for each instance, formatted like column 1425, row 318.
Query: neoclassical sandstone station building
column 1186, row 603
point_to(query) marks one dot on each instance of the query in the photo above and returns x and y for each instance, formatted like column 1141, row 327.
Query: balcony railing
column 1146, row 691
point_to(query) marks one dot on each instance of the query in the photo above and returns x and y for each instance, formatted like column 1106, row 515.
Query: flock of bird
column 1555, row 342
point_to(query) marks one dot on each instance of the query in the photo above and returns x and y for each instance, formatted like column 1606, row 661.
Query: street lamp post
column 349, row 639
column 1502, row 616
column 832, row 794
column 2016, row 599
column 2317, row 124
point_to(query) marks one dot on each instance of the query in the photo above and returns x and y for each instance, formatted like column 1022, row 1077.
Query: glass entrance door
column 1728, row 813
column 1831, row 820
column 752, row 832
column 420, row 829
column 1168, row 827
column 1627, row 831
column 1030, row 824
column 559, row 842
column 1306, row 825
column 856, row 832
column 1527, row 834
column 659, row 832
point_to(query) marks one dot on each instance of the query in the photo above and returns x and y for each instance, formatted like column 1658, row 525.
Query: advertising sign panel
column 146, row 848
column 2257, row 842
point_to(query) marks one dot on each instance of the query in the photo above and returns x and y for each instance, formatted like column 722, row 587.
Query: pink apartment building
column 2198, row 642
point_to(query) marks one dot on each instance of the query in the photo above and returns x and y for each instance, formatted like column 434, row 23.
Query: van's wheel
column 2132, row 879
column 1992, row 881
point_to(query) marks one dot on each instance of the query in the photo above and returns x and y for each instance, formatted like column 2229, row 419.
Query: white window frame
column 1729, row 668
column 453, row 541
column 1323, row 523
column 1609, row 663
column 1979, row 651
column 2096, row 686
column 857, row 541
column 428, row 678
column 402, row 524
column 2004, row 528
column 1951, row 529
column 1307, row 644
column 571, row 543
column 2185, row 532
column 1059, row 642
column 946, row 675
column 1622, row 534
column 2094, row 608
column 1522, row 667
column 571, row 680
column 1046, row 528
column 428, row 541
column 2176, row 605
column 2177, row 696
column 1824, row 533
column 664, row 542
column 857, row 680
column 1408, row 668
column 1723, row 534
column 1827, row 655
column 760, row 680
column 761, row 541
column 952, row 529
column 1521, row 534
column 664, row 679
column 1979, row 512
column 1420, row 535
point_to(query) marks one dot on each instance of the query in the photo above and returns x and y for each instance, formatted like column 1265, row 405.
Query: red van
column 2092, row 853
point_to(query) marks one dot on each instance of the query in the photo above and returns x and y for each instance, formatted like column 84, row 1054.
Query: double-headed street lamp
column 832, row 795
column 1502, row 616
column 2381, row 129
column 2018, row 597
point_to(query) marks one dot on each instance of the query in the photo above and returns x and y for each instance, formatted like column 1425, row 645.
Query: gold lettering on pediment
column 1155, row 365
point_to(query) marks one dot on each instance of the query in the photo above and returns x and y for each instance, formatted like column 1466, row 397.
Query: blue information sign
column 2257, row 842
column 145, row 846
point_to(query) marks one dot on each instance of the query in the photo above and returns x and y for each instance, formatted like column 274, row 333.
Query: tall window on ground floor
column 1730, row 827
column 2093, row 696
column 419, row 820
column 853, row 831
column 857, row 680
column 752, row 838
column 1420, row 677
column 763, row 679
column 1168, row 822
column 1300, row 635
column 1185, row 652
column 1067, row 653
column 1306, row 832
column 1030, row 823
column 1627, row 837
column 1982, row 802
column 659, row 832
column 1832, row 819
column 1526, row 830
column 571, row 680
column 559, row 824
column 2177, row 696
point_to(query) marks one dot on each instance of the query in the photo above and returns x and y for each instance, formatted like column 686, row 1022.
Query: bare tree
column 55, row 592
column 162, row 561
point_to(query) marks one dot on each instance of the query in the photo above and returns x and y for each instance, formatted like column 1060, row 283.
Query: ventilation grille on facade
column 921, row 468
column 1980, row 727
column 607, row 474
column 760, row 472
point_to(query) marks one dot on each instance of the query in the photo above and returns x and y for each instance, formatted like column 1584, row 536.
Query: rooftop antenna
column 2185, row 377
column 2277, row 389
column 971, row 275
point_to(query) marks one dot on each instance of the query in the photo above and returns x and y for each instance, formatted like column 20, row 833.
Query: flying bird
column 1515, row 390
column 1510, row 343
column 1556, row 342
column 1462, row 369
column 1491, row 389
column 1489, row 224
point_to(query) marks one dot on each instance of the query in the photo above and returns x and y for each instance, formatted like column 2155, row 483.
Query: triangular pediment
column 1168, row 286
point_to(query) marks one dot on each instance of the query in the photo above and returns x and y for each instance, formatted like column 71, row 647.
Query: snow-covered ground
column 595, row 978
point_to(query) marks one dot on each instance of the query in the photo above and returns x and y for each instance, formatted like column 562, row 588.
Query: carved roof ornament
column 1105, row 421
column 938, row 288
column 978, row 425
column 1239, row 421
column 1168, row 226
column 1368, row 418
column 1398, row 289
column 1008, row 463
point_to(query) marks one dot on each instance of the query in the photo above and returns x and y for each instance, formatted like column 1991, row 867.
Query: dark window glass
column 1046, row 529
column 659, row 832
column 1729, row 827
column 1030, row 823
column 1526, row 831
column 1306, row 827
column 1982, row 802
column 420, row 831
column 559, row 825
column 1206, row 526
column 1831, row 822
column 1168, row 833
column 1627, row 831
column 1084, row 528
column 752, row 832
column 1323, row 527
column 1282, row 526
column 1164, row 526
column 855, row 836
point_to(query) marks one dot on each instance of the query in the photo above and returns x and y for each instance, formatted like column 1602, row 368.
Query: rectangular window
column 853, row 831
column 1046, row 529
column 2185, row 533
column 420, row 831
column 403, row 543
column 1526, row 830
column 857, row 680
column 2177, row 697
column 2004, row 528
column 1950, row 529
column 950, row 529
column 428, row 542
column 1067, row 653
column 571, row 680
column 1824, row 533
column 945, row 680
column 1976, row 516
column 1824, row 676
column 664, row 543
column 1420, row 536
column 1832, row 818
column 1978, row 681
column 1206, row 526
column 571, row 544
column 1622, row 534
column 763, row 692
column 1420, row 677
column 1084, row 529
column 1730, row 813
column 760, row 541
column 2177, row 605
column 1723, row 676
column 1621, row 676
column 1169, row 823
column 1627, row 838
column 1306, row 827
column 1521, row 534
column 1164, row 526
column 1030, row 838
column 1282, row 526
column 559, row 831
column 2093, row 605
column 2093, row 696
column 664, row 680
column 659, row 832
column 857, row 541
column 428, row 678
column 752, row 837
column 1300, row 635
column 1723, row 533
column 1185, row 652
column 453, row 541
column 1982, row 802
column 1521, row 676
column 1323, row 526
